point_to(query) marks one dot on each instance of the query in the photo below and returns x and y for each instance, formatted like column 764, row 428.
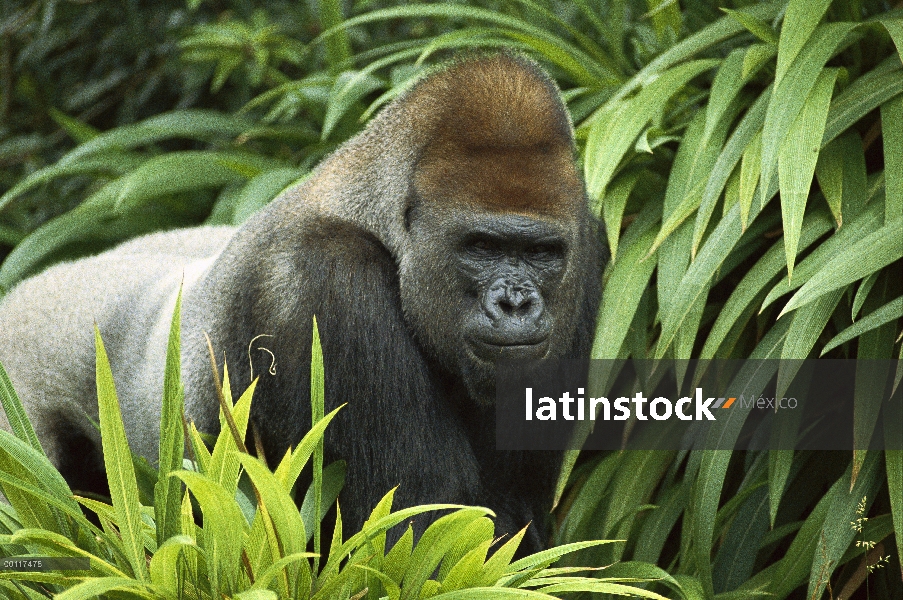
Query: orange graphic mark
column 728, row 403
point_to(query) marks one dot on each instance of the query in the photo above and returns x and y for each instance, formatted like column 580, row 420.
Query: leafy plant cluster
column 253, row 541
column 745, row 157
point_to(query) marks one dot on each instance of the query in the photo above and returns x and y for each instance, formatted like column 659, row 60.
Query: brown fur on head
column 498, row 137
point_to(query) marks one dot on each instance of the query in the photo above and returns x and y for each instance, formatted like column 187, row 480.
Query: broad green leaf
column 588, row 71
column 167, row 491
column 848, row 235
column 479, row 531
column 780, row 463
column 750, row 169
column 432, row 546
column 317, row 406
column 279, row 505
column 614, row 133
column 829, row 170
column 792, row 92
column 709, row 483
column 800, row 20
column 15, row 413
column 862, row 293
column 289, row 470
column 804, row 331
column 602, row 587
column 185, row 171
column 224, row 533
column 197, row 124
column 744, row 135
column 693, row 165
column 467, row 569
column 754, row 25
column 895, row 29
column 889, row 312
column 892, row 134
column 860, row 260
column 165, row 571
column 705, row 38
column 613, row 208
column 659, row 523
column 118, row 461
column 111, row 164
column 797, row 158
column 223, row 467
column 352, row 86
column 97, row 586
column 77, row 130
column 54, row 544
column 628, row 278
column 263, row 188
column 728, row 82
column 333, row 479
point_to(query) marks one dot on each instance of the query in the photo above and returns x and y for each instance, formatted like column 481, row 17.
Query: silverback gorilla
column 452, row 232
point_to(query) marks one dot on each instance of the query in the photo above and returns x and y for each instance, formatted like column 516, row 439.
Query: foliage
column 253, row 541
column 746, row 159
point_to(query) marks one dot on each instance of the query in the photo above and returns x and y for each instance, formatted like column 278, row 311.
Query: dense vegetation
column 746, row 159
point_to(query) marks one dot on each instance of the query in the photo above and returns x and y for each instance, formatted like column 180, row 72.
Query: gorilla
column 451, row 233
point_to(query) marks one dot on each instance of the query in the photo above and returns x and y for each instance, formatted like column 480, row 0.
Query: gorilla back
column 451, row 233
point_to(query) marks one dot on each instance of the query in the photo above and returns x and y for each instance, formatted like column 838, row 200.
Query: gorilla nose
column 513, row 305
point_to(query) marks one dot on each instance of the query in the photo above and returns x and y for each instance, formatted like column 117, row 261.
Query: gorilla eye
column 543, row 250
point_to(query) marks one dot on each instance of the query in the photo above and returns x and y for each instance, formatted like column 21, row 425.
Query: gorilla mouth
column 491, row 350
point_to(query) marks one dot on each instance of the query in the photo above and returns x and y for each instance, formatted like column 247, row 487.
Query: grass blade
column 797, row 158
column 118, row 460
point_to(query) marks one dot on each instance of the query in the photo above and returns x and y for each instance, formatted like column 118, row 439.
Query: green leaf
column 889, row 312
column 862, row 294
column 317, row 404
column 862, row 96
column 873, row 252
column 168, row 490
column 754, row 25
column 435, row 542
column 95, row 587
column 78, row 131
column 892, row 134
column 118, row 461
column 618, row 124
column 613, row 207
column 165, row 569
column 224, row 533
column 186, row 171
column 895, row 29
column 197, row 124
column 628, row 279
column 750, row 169
column 797, row 158
column 280, row 507
column 744, row 136
column 111, row 163
column 333, row 481
column 15, row 413
column 851, row 233
column 837, row 534
column 800, row 20
column 792, row 92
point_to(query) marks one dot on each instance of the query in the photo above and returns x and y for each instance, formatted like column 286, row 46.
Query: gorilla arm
column 397, row 427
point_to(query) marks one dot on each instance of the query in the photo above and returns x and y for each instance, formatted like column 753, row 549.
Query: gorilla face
column 507, row 266
column 478, row 263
